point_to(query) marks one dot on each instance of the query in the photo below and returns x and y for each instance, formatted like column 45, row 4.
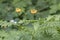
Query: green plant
column 29, row 19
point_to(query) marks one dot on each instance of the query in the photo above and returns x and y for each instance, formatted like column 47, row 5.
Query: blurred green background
column 29, row 19
column 43, row 7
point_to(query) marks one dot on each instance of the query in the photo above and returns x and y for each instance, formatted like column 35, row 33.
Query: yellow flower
column 18, row 10
column 33, row 11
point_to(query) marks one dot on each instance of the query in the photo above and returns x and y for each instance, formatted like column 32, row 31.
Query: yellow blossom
column 18, row 10
column 33, row 11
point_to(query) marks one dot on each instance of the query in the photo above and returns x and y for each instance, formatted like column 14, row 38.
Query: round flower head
column 18, row 10
column 33, row 11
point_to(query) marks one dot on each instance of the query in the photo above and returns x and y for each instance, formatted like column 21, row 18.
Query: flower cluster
column 32, row 11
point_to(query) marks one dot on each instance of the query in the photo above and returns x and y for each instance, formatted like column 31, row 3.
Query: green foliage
column 43, row 7
column 15, row 35
column 29, row 19
column 47, row 29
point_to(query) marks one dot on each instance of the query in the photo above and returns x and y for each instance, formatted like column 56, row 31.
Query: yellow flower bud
column 33, row 11
column 18, row 10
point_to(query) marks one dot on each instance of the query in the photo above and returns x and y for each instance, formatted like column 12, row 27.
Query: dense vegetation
column 29, row 19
